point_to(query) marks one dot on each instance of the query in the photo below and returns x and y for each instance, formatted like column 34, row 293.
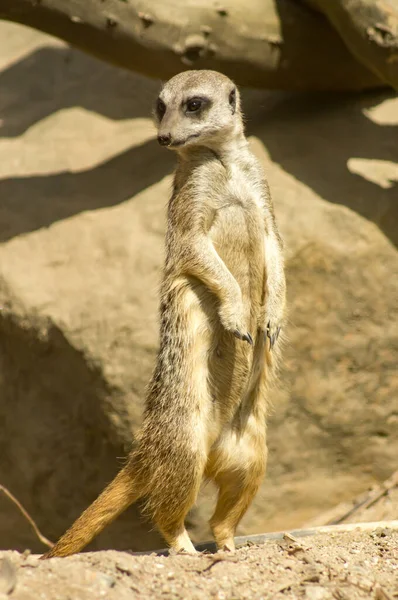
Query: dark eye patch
column 195, row 104
column 232, row 99
column 160, row 109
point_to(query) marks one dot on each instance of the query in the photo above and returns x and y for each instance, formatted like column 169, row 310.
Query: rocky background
column 83, row 191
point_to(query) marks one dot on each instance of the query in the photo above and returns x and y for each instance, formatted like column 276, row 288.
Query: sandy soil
column 341, row 566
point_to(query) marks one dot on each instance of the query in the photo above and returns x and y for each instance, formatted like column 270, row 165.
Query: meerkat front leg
column 275, row 293
column 202, row 261
column 271, row 319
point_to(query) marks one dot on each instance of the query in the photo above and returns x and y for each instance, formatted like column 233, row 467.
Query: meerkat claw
column 243, row 336
column 267, row 332
column 272, row 336
column 248, row 338
column 238, row 334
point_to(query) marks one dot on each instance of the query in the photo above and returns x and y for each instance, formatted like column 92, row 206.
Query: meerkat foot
column 227, row 545
column 180, row 542
column 183, row 544
column 223, row 533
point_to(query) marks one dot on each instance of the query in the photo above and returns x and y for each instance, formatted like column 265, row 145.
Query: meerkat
column 222, row 308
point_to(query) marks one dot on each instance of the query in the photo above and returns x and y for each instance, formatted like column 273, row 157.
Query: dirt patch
column 341, row 566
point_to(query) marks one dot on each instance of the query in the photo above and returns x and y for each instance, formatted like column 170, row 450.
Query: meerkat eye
column 232, row 99
column 160, row 109
column 194, row 104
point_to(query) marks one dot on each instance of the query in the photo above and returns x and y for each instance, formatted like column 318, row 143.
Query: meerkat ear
column 232, row 100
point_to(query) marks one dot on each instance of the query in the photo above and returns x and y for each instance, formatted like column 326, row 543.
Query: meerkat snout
column 197, row 108
column 164, row 140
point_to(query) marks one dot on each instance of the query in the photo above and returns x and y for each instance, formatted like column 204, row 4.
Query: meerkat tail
column 115, row 498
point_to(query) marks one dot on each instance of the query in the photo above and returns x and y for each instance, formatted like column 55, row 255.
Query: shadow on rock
column 53, row 78
column 57, row 438
column 29, row 203
column 313, row 137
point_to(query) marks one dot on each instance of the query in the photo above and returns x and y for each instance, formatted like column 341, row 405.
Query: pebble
column 317, row 593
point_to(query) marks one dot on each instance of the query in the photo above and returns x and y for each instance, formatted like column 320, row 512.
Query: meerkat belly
column 237, row 235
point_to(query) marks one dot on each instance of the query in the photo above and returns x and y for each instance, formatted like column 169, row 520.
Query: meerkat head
column 199, row 108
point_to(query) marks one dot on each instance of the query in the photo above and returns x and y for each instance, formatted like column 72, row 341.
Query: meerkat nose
column 164, row 140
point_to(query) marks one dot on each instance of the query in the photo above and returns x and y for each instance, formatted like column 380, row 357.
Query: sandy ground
column 341, row 566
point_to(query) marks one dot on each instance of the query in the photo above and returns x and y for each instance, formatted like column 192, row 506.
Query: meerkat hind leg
column 176, row 490
column 238, row 483
column 235, row 497
column 172, row 526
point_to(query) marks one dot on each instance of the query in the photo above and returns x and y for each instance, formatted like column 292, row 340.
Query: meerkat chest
column 242, row 189
column 238, row 204
column 238, row 212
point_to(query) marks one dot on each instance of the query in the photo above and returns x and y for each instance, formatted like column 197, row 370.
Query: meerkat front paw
column 272, row 331
column 273, row 320
column 233, row 321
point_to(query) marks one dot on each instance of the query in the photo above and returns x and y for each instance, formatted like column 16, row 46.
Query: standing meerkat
column 222, row 308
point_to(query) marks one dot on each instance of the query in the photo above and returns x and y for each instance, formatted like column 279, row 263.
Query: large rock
column 83, row 192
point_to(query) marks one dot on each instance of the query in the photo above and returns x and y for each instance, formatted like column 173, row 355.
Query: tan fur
column 223, row 278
